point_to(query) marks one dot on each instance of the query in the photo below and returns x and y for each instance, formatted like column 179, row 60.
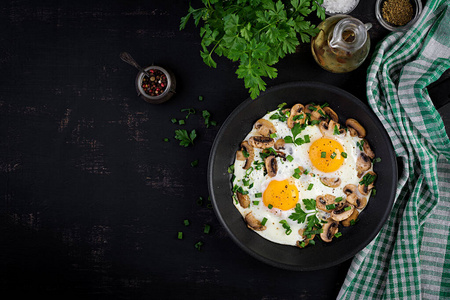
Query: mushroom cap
column 347, row 222
column 330, row 112
column 357, row 202
column 367, row 150
column 297, row 109
column 329, row 230
column 323, row 200
column 350, row 189
column 332, row 182
column 244, row 200
column 265, row 127
column 343, row 212
column 327, row 128
column 365, row 189
column 363, row 163
column 261, row 142
column 355, row 128
column 279, row 144
column 253, row 223
column 271, row 165
column 251, row 154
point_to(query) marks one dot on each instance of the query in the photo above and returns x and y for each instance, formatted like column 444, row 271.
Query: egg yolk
column 325, row 155
column 281, row 194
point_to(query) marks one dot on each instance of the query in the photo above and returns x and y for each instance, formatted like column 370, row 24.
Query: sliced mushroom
column 329, row 230
column 367, row 150
column 331, row 113
column 251, row 154
column 327, row 128
column 357, row 202
column 261, row 142
column 244, row 200
column 366, row 188
column 313, row 110
column 363, row 163
column 342, row 213
column 297, row 115
column 265, row 127
column 355, row 128
column 350, row 189
column 271, row 165
column 279, row 144
column 305, row 241
column 353, row 217
column 323, row 200
column 332, row 182
column 253, row 223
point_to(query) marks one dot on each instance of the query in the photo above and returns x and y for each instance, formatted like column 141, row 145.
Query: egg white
column 258, row 181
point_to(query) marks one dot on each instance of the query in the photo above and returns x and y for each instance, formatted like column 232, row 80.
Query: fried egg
column 306, row 168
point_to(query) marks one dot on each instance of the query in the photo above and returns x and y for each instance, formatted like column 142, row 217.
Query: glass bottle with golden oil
column 342, row 43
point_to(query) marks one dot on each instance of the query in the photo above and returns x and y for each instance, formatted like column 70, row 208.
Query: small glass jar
column 417, row 10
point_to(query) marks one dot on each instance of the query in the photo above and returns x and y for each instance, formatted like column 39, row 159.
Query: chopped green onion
column 315, row 122
column 347, row 208
column 296, row 175
column 288, row 231
column 336, row 130
column 376, row 160
column 333, row 155
column 246, row 182
column 297, row 171
column 306, row 137
column 312, row 242
column 344, row 155
column 338, row 234
column 324, row 105
column 245, row 153
column 289, row 158
column 298, row 117
column 186, row 222
column 310, row 186
column 374, row 192
column 270, row 206
column 181, row 122
column 255, row 202
column 330, row 206
column 323, row 154
column 200, row 98
column 180, row 235
column 263, row 222
column 207, row 228
column 165, row 139
column 306, row 172
column 231, row 169
column 322, row 113
column 273, row 135
column 281, row 105
column 312, row 108
column 194, row 163
column 173, row 120
column 338, row 199
column 258, row 195
column 198, row 245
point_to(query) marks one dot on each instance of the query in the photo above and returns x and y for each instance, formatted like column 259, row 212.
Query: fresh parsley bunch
column 257, row 33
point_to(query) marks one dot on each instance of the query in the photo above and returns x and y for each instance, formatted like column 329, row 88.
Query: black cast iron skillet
column 321, row 255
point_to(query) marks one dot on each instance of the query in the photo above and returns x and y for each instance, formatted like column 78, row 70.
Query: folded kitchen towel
column 410, row 257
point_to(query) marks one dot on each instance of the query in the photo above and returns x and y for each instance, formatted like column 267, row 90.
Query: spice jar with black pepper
column 158, row 87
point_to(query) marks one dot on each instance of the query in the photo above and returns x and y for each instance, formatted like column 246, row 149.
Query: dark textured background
column 91, row 197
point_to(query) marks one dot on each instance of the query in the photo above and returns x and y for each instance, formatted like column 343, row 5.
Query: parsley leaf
column 299, row 215
column 184, row 137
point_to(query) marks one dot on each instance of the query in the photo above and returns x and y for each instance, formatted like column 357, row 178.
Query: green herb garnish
column 184, row 137
column 255, row 33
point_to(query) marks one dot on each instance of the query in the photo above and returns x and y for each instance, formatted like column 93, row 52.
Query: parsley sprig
column 184, row 137
column 257, row 33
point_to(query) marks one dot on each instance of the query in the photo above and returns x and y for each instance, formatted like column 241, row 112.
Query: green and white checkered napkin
column 410, row 257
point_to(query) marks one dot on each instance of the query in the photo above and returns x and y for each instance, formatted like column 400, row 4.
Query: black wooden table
column 92, row 197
